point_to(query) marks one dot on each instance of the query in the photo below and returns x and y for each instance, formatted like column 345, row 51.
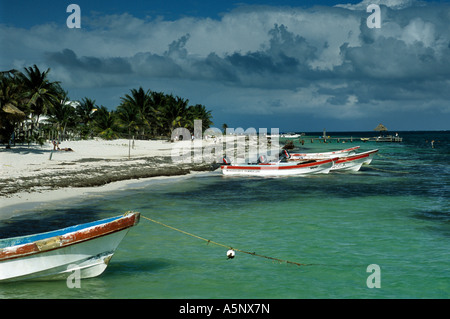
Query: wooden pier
column 328, row 139
column 388, row 138
column 342, row 139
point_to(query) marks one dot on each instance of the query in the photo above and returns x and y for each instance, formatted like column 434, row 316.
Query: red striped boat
column 85, row 248
column 353, row 162
column 339, row 153
column 280, row 168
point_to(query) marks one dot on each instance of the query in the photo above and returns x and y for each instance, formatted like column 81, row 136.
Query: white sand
column 21, row 161
column 37, row 175
column 22, row 166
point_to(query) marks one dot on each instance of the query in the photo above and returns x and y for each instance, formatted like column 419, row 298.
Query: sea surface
column 393, row 214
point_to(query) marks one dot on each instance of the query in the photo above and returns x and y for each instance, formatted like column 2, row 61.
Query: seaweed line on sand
column 87, row 174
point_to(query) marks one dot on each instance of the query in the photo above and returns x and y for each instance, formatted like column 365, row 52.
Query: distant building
column 380, row 128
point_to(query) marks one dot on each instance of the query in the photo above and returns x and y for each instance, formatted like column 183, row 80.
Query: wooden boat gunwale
column 277, row 166
column 324, row 154
column 24, row 246
column 355, row 157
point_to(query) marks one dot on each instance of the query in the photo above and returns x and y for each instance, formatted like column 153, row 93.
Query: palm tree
column 63, row 116
column 174, row 114
column 11, row 104
column 199, row 112
column 40, row 92
column 142, row 103
column 158, row 100
column 224, row 127
column 85, row 112
column 105, row 123
column 128, row 116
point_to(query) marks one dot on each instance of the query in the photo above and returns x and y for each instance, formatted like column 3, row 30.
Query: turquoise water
column 394, row 213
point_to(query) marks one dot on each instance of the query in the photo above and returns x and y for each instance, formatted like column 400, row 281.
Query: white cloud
column 256, row 60
column 394, row 4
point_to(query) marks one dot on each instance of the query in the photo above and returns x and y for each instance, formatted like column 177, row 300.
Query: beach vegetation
column 136, row 112
column 199, row 112
column 62, row 116
column 85, row 111
column 105, row 124
column 149, row 114
column 11, row 100
column 33, row 108
column 41, row 94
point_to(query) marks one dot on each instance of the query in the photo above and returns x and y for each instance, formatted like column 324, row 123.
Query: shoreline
column 82, row 176
column 36, row 175
column 23, row 202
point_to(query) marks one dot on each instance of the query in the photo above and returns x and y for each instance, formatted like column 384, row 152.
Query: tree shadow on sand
column 23, row 150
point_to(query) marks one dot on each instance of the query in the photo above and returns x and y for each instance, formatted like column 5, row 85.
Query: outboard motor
column 226, row 160
column 284, row 155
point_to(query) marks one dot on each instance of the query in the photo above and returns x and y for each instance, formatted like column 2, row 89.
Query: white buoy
column 230, row 254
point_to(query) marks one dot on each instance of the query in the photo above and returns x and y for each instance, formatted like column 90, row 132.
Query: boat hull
column 85, row 251
column 279, row 169
column 354, row 162
column 340, row 153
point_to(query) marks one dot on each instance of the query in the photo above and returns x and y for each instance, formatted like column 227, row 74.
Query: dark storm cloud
column 323, row 60
column 69, row 60
column 408, row 48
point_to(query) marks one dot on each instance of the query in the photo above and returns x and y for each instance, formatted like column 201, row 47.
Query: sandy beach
column 34, row 173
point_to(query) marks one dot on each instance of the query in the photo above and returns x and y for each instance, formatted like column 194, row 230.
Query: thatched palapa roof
column 380, row 128
column 12, row 111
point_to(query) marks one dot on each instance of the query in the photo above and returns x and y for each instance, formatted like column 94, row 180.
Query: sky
column 299, row 66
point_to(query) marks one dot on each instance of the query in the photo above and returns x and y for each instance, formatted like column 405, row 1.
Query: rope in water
column 243, row 251
column 226, row 246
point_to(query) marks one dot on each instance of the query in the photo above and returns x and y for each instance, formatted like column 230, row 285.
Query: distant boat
column 339, row 153
column 53, row 255
column 387, row 138
column 290, row 135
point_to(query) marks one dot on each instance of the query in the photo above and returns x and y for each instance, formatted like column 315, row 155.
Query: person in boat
column 262, row 159
column 284, row 156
